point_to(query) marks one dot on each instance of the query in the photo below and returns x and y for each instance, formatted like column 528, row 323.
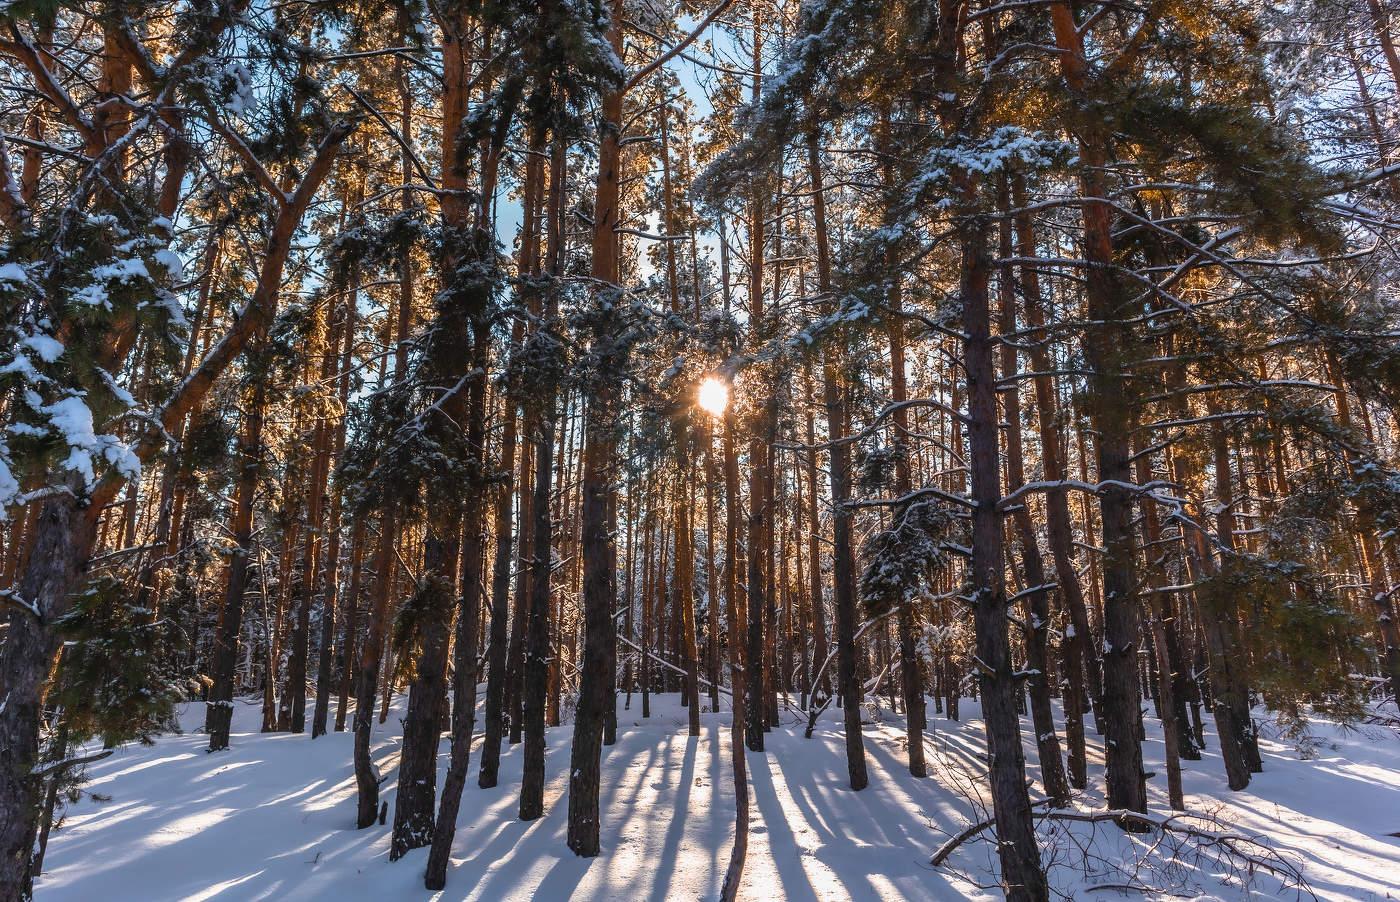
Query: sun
column 713, row 395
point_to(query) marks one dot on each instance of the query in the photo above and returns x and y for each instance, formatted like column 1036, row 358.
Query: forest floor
column 273, row 818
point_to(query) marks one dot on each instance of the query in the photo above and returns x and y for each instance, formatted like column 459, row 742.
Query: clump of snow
column 49, row 349
column 9, row 486
column 94, row 295
column 13, row 274
column 122, row 271
column 71, row 418
column 24, row 367
column 170, row 262
column 117, row 391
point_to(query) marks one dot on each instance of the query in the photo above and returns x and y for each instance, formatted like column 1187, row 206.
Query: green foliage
column 1300, row 642
column 1256, row 168
column 113, row 681
column 904, row 560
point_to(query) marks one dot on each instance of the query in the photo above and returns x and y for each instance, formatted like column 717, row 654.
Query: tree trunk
column 331, row 567
column 1108, row 347
column 416, row 795
column 59, row 556
column 1021, row 875
column 464, row 681
column 843, row 567
column 367, row 675
column 599, row 447
column 1052, row 769
column 1079, row 664
column 218, row 713
column 735, row 615
column 535, row 672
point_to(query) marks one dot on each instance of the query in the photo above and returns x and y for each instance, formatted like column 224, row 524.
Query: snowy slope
column 273, row 818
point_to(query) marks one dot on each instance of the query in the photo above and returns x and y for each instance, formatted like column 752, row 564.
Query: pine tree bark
column 1052, row 769
column 1079, row 664
column 1021, row 874
column 535, row 671
column 367, row 674
column 331, row 566
column 350, row 629
column 735, row 615
column 1107, row 349
column 416, row 794
column 599, row 448
column 1161, row 618
column 843, row 560
column 218, row 713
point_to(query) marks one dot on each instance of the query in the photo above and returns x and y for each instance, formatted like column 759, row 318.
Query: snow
column 171, row 263
column 122, row 271
column 72, row 419
column 117, row 391
column 94, row 295
column 24, row 367
column 13, row 273
column 49, row 349
column 9, row 487
column 273, row 818
column 240, row 100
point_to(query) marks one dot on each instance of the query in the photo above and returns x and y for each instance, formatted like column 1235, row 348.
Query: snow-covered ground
column 273, row 818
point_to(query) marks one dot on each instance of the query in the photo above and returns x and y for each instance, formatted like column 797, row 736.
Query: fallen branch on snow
column 1245, row 854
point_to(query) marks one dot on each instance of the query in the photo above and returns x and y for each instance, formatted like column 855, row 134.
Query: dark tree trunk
column 599, row 444
column 464, row 681
column 535, row 672
column 1021, row 875
column 218, row 714
column 684, row 589
column 350, row 631
column 1052, row 768
column 416, row 796
column 1168, row 705
column 500, row 613
column 64, row 535
column 1079, row 664
column 1108, row 348
column 734, row 613
column 367, row 676
column 843, row 562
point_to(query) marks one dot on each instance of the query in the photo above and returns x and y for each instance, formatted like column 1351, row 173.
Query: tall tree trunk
column 331, row 567
column 820, row 651
column 1052, row 769
column 535, row 671
column 309, row 581
column 1108, row 347
column 1021, row 875
column 416, row 795
column 350, row 630
column 756, row 591
column 735, row 615
column 218, row 714
column 599, row 447
column 1161, row 617
column 843, row 559
column 1080, row 665
column 367, row 674
column 684, row 578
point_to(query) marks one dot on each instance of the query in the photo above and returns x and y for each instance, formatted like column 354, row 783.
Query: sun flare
column 713, row 396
